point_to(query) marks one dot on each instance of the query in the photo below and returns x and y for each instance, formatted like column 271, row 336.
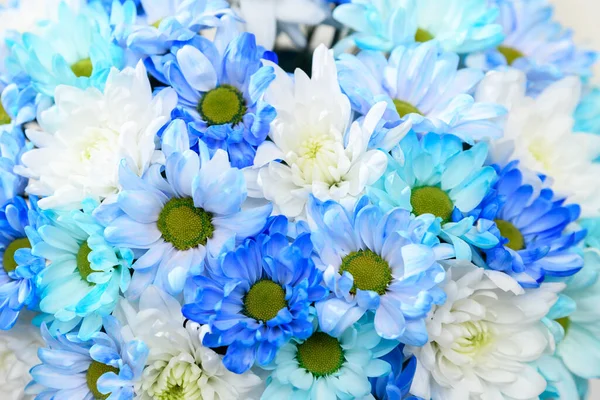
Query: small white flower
column 18, row 354
column 539, row 133
column 322, row 153
column 178, row 365
column 482, row 339
column 87, row 134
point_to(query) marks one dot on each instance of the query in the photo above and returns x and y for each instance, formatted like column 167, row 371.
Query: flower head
column 85, row 275
column 258, row 297
column 87, row 134
column 173, row 219
column 104, row 367
column 380, row 262
column 12, row 147
column 396, row 385
column 423, row 85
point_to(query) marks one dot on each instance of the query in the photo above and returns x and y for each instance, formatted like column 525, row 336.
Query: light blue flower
column 85, row 275
column 461, row 26
column 562, row 384
column 20, row 267
column 434, row 176
column 76, row 50
column 536, row 44
column 258, row 297
column 104, row 367
column 18, row 103
column 396, row 385
column 532, row 227
column 173, row 220
column 220, row 95
column 12, row 146
column 587, row 114
column 421, row 85
column 330, row 367
column 385, row 262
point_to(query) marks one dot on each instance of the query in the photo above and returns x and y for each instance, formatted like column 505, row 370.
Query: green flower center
column 431, row 200
column 222, row 105
column 264, row 300
column 83, row 265
column 82, row 68
column 369, row 270
column 565, row 322
column 320, row 354
column 404, row 108
column 477, row 338
column 156, row 24
column 423, row 36
column 94, row 372
column 184, row 225
column 510, row 232
column 4, row 117
column 8, row 260
column 511, row 54
column 173, row 392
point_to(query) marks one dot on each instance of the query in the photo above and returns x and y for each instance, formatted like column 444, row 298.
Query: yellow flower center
column 83, row 68
column 320, row 354
column 512, row 233
column 264, row 300
column 8, row 260
column 431, row 200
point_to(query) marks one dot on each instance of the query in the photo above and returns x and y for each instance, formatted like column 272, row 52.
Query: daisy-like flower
column 104, row 367
column 18, row 224
column 173, row 220
column 18, row 352
column 221, row 95
column 535, row 44
column 396, row 385
column 423, row 85
column 87, row 134
column 263, row 18
column 329, row 367
column 12, row 147
column 483, row 338
column 532, row 227
column 258, row 297
column 380, row 262
column 178, row 365
column 85, row 275
column 539, row 134
column 52, row 57
column 460, row 26
column 435, row 176
column 321, row 154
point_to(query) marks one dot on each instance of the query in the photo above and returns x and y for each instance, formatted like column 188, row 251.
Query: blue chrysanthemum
column 85, row 275
column 18, row 103
column 380, row 262
column 173, row 220
column 258, row 297
column 12, row 146
column 461, row 26
column 330, row 367
column 102, row 368
column 423, row 85
column 587, row 114
column 221, row 95
column 18, row 234
column 532, row 228
column 76, row 50
column 535, row 44
column 434, row 176
column 396, row 385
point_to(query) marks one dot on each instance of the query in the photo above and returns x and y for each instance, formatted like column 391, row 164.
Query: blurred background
column 583, row 17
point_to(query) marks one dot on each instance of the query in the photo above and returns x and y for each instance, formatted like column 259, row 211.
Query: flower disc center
column 264, row 300
column 82, row 68
column 431, row 200
column 222, row 105
column 4, row 117
column 320, row 354
column 423, row 36
column 477, row 337
column 8, row 260
column 83, row 265
column 565, row 322
column 369, row 270
column 512, row 233
column 94, row 372
column 404, row 108
column 511, row 54
column 184, row 225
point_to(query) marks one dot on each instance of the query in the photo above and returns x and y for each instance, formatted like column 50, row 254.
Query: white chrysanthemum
column 322, row 154
column 18, row 354
column 539, row 133
column 87, row 134
column 482, row 339
column 178, row 366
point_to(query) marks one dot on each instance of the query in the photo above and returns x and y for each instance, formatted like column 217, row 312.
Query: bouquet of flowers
column 297, row 199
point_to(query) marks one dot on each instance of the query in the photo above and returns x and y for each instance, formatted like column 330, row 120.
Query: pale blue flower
column 12, row 146
column 587, row 114
column 423, row 85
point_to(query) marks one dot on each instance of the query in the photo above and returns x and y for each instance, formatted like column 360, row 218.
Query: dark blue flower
column 396, row 385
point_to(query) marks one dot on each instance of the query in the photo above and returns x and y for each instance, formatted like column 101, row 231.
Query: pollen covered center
column 264, row 300
column 4, row 117
column 423, row 36
column 184, row 225
column 511, row 54
column 8, row 260
column 512, row 233
column 94, row 372
column 431, row 200
column 83, row 265
column 404, row 108
column 369, row 270
column 320, row 354
column 222, row 105
column 83, row 68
